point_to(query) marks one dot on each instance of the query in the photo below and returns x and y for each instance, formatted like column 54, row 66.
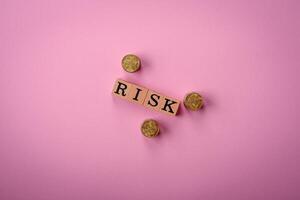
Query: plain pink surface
column 63, row 136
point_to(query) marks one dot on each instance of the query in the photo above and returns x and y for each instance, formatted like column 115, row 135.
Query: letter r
column 121, row 87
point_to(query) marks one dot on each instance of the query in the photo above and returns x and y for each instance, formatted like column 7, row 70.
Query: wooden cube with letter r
column 122, row 89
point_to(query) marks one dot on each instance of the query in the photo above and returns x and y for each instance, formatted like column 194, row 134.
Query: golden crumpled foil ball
column 193, row 101
column 131, row 63
column 150, row 128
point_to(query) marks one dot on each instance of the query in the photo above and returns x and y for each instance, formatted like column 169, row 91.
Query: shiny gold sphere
column 193, row 101
column 150, row 128
column 131, row 63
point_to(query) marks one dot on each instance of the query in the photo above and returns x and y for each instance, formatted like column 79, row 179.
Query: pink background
column 63, row 136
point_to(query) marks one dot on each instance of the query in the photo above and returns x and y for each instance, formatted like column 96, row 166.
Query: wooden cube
column 137, row 94
column 153, row 100
column 169, row 106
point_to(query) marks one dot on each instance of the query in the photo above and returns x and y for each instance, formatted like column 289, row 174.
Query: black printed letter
column 137, row 94
column 121, row 88
column 154, row 100
column 168, row 104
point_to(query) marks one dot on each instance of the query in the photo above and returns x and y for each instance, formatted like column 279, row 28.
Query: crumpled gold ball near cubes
column 131, row 63
column 150, row 128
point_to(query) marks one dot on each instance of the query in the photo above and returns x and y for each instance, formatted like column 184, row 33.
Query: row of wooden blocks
column 146, row 97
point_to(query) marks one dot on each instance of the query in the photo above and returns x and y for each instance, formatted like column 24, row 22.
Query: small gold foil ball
column 131, row 63
column 193, row 101
column 150, row 128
